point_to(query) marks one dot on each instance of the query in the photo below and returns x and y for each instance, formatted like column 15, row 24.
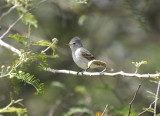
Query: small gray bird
column 82, row 56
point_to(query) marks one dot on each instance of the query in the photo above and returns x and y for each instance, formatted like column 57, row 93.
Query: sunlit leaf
column 149, row 109
column 19, row 111
column 19, row 38
column 152, row 95
column 30, row 19
column 138, row 64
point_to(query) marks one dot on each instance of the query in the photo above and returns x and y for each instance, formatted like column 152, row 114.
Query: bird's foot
column 79, row 72
column 82, row 71
column 102, row 72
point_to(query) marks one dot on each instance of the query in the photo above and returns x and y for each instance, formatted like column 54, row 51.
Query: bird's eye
column 74, row 43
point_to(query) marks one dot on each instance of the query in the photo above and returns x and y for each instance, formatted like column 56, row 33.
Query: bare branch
column 104, row 110
column 12, row 25
column 121, row 73
column 156, row 98
column 150, row 106
column 134, row 97
column 13, row 49
column 6, row 13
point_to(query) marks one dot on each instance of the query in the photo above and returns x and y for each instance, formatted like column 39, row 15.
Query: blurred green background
column 115, row 31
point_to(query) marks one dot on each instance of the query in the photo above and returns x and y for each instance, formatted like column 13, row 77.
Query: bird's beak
column 69, row 44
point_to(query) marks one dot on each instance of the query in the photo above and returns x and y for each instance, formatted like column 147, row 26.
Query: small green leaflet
column 30, row 19
column 19, row 38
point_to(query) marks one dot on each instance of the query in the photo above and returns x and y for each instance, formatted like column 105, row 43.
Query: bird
column 83, row 58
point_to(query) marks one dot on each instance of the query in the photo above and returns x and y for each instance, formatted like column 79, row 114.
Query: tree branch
column 104, row 110
column 121, row 73
column 6, row 13
column 156, row 98
column 150, row 106
column 12, row 25
column 13, row 49
column 134, row 97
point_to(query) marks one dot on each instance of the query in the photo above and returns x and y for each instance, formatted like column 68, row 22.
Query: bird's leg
column 80, row 71
column 102, row 72
column 86, row 69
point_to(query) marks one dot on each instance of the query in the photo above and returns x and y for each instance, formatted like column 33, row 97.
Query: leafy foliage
column 138, row 64
column 149, row 109
column 18, row 111
column 19, row 38
column 52, row 46
column 30, row 79
column 29, row 18
column 17, row 69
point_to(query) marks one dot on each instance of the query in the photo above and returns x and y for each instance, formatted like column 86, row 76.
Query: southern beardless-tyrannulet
column 82, row 56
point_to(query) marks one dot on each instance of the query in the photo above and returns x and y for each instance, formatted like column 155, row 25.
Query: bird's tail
column 110, row 69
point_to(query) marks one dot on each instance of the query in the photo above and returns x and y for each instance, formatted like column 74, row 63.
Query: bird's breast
column 79, row 59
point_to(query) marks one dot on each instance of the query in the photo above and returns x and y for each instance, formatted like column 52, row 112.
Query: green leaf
column 153, row 81
column 30, row 79
column 153, row 95
column 43, row 43
column 82, row 19
column 39, row 57
column 30, row 19
column 19, row 38
column 149, row 109
column 78, row 110
column 81, row 89
column 16, row 84
column 138, row 64
column 19, row 111
column 59, row 85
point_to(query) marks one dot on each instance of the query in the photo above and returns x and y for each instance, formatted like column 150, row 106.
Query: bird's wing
column 85, row 53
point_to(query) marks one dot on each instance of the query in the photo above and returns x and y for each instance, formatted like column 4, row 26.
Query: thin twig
column 150, row 106
column 12, row 25
column 6, row 13
column 104, row 110
column 156, row 98
column 54, row 42
column 10, row 104
column 134, row 97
